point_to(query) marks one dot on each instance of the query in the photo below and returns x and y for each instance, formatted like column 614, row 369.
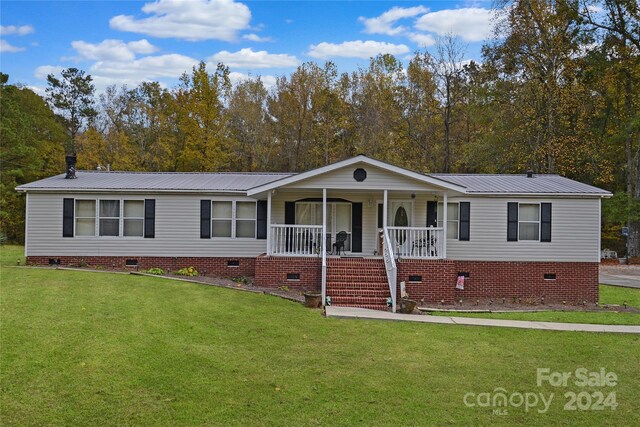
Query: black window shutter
column 149, row 218
column 205, row 219
column 67, row 217
column 545, row 223
column 465, row 216
column 380, row 215
column 261, row 218
column 432, row 214
column 289, row 218
column 289, row 212
column 356, row 227
column 512, row 222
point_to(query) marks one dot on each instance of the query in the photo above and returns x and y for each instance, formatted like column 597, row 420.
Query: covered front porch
column 356, row 209
column 357, row 223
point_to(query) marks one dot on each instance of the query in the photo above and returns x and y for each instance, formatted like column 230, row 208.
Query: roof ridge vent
column 529, row 173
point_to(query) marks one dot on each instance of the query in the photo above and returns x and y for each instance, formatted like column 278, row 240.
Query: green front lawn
column 79, row 348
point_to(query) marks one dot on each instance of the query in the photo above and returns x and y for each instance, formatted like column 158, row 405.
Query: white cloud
column 268, row 80
column 256, row 38
column 384, row 24
column 6, row 47
column 131, row 73
column 112, row 50
column 471, row 24
column 247, row 58
column 44, row 70
column 355, row 49
column 22, row 30
column 191, row 20
column 422, row 40
column 146, row 68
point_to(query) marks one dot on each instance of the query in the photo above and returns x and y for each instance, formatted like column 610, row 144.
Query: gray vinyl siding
column 575, row 230
column 575, row 227
column 177, row 230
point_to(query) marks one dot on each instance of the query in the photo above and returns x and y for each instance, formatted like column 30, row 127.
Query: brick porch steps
column 353, row 282
column 381, row 307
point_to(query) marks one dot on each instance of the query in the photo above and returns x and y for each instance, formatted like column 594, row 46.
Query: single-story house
column 354, row 230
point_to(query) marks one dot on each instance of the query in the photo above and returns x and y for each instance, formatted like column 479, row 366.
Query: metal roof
column 520, row 184
column 539, row 184
column 155, row 181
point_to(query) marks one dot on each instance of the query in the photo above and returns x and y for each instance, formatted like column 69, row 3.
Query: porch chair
column 419, row 244
column 341, row 237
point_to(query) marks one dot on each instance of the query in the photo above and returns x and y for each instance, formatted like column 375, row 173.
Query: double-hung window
column 529, row 221
column 246, row 219
column 109, row 218
column 85, row 215
column 453, row 219
column 133, row 218
column 233, row 219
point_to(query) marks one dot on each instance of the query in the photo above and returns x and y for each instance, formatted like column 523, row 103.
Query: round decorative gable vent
column 359, row 174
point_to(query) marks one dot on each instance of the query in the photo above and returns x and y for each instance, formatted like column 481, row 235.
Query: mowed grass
column 79, row 348
column 611, row 295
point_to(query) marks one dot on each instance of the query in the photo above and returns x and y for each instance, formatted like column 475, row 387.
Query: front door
column 400, row 215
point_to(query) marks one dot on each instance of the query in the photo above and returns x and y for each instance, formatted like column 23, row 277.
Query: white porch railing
column 417, row 242
column 295, row 240
column 390, row 266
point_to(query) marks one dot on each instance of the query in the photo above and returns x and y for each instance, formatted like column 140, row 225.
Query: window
column 85, row 218
column 246, row 219
column 109, row 217
column 221, row 218
column 453, row 219
column 529, row 221
column 233, row 219
column 133, row 218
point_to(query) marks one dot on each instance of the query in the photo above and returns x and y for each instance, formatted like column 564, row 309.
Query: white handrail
column 324, row 275
column 417, row 242
column 390, row 266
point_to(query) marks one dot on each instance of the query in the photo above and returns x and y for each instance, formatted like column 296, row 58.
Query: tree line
column 556, row 91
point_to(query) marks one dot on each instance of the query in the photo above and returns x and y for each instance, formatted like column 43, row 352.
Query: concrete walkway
column 362, row 313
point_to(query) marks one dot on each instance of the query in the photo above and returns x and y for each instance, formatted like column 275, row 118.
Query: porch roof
column 360, row 159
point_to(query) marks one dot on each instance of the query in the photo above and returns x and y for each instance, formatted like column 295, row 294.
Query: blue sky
column 126, row 42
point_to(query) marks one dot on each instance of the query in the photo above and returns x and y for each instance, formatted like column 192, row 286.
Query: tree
column 447, row 68
column 421, row 112
column 376, row 108
column 202, row 144
column 618, row 24
column 31, row 149
column 72, row 97
column 249, row 123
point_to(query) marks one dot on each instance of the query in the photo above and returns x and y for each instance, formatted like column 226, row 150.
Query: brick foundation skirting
column 207, row 266
column 575, row 282
column 277, row 271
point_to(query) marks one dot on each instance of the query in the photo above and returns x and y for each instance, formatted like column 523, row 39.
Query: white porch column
column 324, row 218
column 444, row 224
column 324, row 247
column 384, row 209
column 269, row 250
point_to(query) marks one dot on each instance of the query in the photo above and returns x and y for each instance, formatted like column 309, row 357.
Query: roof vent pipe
column 71, row 166
column 529, row 173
